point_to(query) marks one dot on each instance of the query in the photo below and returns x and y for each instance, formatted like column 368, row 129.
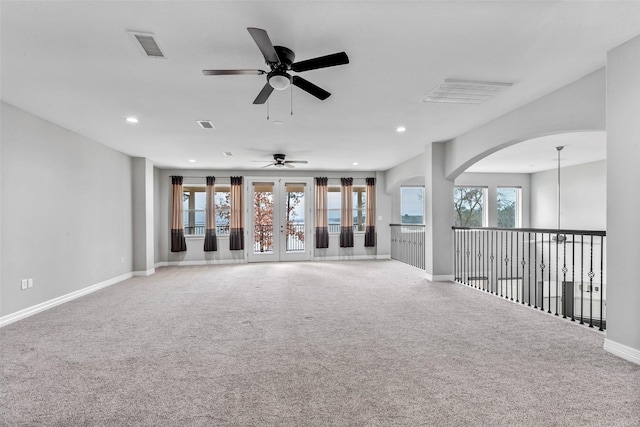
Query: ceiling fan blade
column 296, row 161
column 332, row 60
column 287, row 165
column 309, row 87
column 263, row 41
column 269, row 165
column 264, row 94
column 232, row 72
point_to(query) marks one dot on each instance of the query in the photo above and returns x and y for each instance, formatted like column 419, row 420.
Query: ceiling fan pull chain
column 291, row 99
column 267, row 110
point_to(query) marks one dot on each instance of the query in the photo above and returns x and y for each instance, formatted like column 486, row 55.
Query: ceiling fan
column 280, row 61
column 280, row 162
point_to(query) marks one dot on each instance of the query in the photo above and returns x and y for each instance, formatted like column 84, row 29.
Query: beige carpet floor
column 361, row 343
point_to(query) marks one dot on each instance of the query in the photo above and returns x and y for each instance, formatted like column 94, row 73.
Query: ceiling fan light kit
column 280, row 162
column 280, row 60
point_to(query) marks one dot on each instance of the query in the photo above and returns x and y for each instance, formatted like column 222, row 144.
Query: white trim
column 29, row 311
column 623, row 351
column 200, row 262
column 149, row 272
column 346, row 257
column 439, row 278
column 387, row 256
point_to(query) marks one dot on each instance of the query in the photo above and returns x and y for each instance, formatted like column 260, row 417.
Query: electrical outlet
column 30, row 283
column 25, row 284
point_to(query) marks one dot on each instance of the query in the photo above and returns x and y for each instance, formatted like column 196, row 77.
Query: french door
column 279, row 219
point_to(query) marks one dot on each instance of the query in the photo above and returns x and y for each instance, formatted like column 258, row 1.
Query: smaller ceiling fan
column 280, row 60
column 280, row 162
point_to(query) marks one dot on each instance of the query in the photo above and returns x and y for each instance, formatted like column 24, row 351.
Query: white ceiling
column 540, row 154
column 74, row 63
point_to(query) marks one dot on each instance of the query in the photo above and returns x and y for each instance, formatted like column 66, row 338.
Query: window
column 333, row 208
column 468, row 203
column 359, row 207
column 193, row 205
column 508, row 207
column 334, row 204
column 412, row 205
column 222, row 200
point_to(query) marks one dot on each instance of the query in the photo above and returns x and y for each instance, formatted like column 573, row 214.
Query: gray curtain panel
column 370, row 218
column 236, row 230
column 322, row 222
column 210, row 239
column 346, row 213
column 178, row 242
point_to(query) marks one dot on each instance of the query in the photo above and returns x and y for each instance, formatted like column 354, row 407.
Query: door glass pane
column 295, row 220
column 263, row 218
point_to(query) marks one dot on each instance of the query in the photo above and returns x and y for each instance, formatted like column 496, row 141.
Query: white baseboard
column 149, row 272
column 30, row 311
column 439, row 278
column 623, row 351
column 344, row 258
column 199, row 262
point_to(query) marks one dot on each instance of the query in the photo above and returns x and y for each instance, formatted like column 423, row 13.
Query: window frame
column 518, row 205
column 401, row 205
column 484, row 214
column 189, row 214
column 335, row 188
column 222, row 230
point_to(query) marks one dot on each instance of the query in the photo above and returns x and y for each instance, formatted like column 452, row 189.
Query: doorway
column 279, row 219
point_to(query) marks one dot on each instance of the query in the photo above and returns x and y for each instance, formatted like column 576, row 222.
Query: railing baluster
column 549, row 286
column 601, row 283
column 535, row 269
column 482, row 258
column 591, row 285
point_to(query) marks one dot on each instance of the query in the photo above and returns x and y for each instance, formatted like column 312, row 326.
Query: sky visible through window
column 412, row 205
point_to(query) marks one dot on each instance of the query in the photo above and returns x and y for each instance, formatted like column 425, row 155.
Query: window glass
column 468, row 204
column 193, row 205
column 222, row 200
column 359, row 207
column 508, row 207
column 333, row 209
column 412, row 205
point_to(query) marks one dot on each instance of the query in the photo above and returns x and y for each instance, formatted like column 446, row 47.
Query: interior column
column 438, row 199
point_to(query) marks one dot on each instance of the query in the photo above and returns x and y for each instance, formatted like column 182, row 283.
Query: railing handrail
column 538, row 230
column 406, row 225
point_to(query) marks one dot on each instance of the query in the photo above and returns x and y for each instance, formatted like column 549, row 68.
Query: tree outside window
column 468, row 204
column 508, row 198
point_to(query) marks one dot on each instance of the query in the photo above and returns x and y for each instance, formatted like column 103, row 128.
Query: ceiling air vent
column 148, row 44
column 465, row 92
column 205, row 124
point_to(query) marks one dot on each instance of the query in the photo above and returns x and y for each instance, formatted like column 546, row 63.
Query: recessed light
column 355, row 163
column 227, row 153
column 277, row 122
column 132, row 120
column 192, row 161
column 401, row 129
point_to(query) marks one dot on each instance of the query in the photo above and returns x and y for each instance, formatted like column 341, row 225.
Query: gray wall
column 66, row 211
column 583, row 197
column 623, row 176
